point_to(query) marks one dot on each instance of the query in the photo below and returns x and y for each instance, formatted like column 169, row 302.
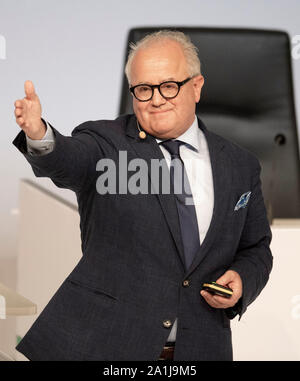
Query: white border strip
column 2, row 307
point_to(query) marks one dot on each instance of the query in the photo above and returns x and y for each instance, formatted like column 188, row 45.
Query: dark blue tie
column 184, row 200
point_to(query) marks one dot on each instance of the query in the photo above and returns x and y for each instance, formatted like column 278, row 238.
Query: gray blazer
column 121, row 299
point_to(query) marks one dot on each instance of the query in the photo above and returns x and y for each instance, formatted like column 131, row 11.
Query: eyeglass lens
column 167, row 90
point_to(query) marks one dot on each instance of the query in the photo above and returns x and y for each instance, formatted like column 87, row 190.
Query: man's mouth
column 159, row 112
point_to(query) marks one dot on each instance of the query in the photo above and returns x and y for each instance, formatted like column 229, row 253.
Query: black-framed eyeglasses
column 167, row 89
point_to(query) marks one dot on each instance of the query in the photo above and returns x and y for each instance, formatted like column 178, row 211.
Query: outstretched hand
column 28, row 112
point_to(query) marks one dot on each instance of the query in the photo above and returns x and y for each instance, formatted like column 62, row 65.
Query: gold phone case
column 217, row 289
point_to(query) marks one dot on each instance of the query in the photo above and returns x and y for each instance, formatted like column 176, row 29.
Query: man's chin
column 162, row 131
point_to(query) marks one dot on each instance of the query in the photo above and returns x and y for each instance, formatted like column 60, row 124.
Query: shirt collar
column 190, row 136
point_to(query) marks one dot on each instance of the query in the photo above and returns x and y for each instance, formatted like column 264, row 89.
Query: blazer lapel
column 222, row 174
column 148, row 149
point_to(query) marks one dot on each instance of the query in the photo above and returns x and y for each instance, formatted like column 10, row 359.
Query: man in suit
column 136, row 293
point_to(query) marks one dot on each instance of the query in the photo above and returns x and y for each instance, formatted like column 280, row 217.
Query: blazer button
column 186, row 283
column 167, row 323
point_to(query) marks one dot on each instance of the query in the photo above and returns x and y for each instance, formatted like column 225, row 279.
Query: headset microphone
column 142, row 134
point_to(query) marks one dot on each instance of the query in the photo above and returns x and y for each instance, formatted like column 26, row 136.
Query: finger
column 234, row 281
column 225, row 279
column 236, row 288
column 18, row 104
column 224, row 302
column 29, row 90
column 18, row 112
column 217, row 301
column 20, row 121
column 210, row 299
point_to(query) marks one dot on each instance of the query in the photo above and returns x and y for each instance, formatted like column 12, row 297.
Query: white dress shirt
column 42, row 146
column 197, row 165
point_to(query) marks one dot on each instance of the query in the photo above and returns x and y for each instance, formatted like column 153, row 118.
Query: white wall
column 73, row 50
column 40, row 272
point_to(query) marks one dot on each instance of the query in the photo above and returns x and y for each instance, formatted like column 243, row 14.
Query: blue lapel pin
column 243, row 201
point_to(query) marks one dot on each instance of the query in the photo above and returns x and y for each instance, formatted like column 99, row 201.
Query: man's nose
column 157, row 98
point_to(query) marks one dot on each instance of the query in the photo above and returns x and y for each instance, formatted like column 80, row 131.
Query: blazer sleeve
column 253, row 260
column 72, row 162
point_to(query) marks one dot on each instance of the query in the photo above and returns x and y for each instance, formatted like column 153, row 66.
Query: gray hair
column 190, row 51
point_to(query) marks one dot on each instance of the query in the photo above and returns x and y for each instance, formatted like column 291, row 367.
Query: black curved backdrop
column 248, row 98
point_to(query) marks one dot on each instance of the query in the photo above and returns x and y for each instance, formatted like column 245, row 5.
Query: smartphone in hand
column 217, row 289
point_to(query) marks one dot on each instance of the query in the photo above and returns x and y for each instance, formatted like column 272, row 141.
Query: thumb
column 29, row 90
column 226, row 278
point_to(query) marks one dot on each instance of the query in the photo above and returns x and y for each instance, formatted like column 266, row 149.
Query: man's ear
column 198, row 82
